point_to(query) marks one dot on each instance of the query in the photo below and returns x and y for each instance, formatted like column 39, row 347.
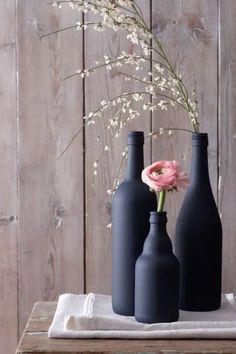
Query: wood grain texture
column 8, row 179
column 35, row 341
column 41, row 316
column 105, row 85
column 227, row 143
column 188, row 31
column 51, row 191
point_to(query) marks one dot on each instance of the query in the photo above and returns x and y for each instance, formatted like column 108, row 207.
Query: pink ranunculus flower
column 165, row 176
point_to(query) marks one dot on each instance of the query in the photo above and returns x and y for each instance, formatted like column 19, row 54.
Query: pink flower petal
column 165, row 175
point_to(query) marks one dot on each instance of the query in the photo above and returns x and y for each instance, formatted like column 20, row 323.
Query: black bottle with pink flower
column 157, row 276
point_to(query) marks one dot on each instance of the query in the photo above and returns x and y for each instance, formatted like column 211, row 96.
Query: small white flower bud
column 161, row 131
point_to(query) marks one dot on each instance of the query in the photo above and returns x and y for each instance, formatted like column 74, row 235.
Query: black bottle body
column 199, row 237
column 157, row 276
column 132, row 203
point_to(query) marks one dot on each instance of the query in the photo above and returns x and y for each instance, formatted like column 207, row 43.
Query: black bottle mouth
column 158, row 216
column 200, row 139
column 135, row 138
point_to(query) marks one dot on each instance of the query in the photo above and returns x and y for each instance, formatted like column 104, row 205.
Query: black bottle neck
column 158, row 221
column 135, row 162
column 199, row 165
column 158, row 240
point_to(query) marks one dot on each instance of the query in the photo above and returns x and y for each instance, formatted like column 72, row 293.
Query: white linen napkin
column 91, row 316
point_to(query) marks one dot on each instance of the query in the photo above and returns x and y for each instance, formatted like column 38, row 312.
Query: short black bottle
column 157, row 276
column 199, row 237
column 131, row 205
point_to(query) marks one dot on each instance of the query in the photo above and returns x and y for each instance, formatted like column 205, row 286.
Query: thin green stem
column 111, row 62
column 58, row 31
column 156, row 85
column 161, row 201
column 170, row 129
column 76, row 135
column 101, row 65
column 181, row 85
column 138, row 10
column 83, row 26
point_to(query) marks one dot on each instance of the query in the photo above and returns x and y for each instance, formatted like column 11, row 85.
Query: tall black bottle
column 199, row 237
column 131, row 205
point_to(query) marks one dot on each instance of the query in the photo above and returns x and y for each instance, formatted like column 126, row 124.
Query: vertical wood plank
column 51, row 191
column 8, row 179
column 105, row 85
column 227, row 139
column 188, row 31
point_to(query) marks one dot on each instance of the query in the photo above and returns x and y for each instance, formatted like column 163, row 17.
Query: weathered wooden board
column 188, row 31
column 227, row 143
column 8, row 179
column 103, row 85
column 51, row 191
column 35, row 340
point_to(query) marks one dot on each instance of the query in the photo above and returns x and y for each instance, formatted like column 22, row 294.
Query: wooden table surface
column 35, row 340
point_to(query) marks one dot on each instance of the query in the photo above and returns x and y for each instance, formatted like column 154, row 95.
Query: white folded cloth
column 91, row 316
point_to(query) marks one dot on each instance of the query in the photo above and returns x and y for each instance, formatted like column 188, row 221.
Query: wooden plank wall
column 54, row 213
column 50, row 191
column 227, row 138
column 8, row 180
